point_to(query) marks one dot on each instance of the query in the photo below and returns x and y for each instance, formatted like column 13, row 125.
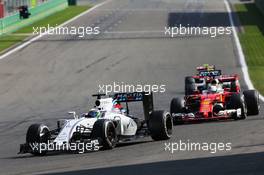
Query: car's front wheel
column 105, row 132
column 236, row 102
column 37, row 134
column 177, row 105
column 252, row 102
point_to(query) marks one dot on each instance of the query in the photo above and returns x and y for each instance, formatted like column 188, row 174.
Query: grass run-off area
column 52, row 20
column 252, row 41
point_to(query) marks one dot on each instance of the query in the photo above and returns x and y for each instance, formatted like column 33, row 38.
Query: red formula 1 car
column 219, row 99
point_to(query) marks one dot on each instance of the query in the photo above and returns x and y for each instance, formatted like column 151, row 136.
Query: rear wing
column 211, row 73
column 146, row 98
column 205, row 67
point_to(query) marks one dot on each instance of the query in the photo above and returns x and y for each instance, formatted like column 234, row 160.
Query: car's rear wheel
column 252, row 102
column 38, row 134
column 160, row 125
column 189, row 80
column 237, row 102
column 105, row 132
column 233, row 87
column 189, row 85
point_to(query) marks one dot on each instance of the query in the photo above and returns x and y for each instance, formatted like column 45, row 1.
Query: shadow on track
column 219, row 19
column 244, row 164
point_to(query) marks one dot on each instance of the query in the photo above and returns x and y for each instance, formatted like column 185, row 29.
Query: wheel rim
column 44, row 135
column 168, row 126
column 110, row 134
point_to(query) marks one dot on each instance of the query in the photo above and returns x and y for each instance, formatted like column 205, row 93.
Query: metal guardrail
column 11, row 6
column 13, row 22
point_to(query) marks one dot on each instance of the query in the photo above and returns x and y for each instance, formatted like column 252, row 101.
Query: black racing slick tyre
column 189, row 85
column 38, row 134
column 237, row 102
column 252, row 102
column 160, row 125
column 233, row 86
column 105, row 132
column 189, row 80
column 177, row 105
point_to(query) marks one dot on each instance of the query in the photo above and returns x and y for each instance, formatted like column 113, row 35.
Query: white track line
column 39, row 36
column 241, row 55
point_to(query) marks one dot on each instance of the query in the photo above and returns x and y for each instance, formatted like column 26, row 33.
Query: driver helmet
column 214, row 86
column 93, row 113
column 213, row 89
column 117, row 104
column 215, row 82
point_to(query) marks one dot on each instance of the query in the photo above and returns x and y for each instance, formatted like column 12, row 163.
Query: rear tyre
column 104, row 131
column 233, row 87
column 160, row 125
column 37, row 134
column 237, row 102
column 189, row 85
column 252, row 102
column 177, row 106
column 189, row 80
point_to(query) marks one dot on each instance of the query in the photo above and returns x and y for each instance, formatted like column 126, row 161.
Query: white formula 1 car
column 104, row 126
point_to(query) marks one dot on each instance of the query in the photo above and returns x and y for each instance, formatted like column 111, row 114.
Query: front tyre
column 160, row 125
column 38, row 134
column 105, row 132
column 252, row 102
column 236, row 102
column 177, row 105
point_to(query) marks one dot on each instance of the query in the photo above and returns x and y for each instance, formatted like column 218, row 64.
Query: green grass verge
column 252, row 41
column 53, row 20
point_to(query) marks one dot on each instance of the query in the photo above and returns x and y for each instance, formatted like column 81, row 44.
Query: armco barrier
column 260, row 5
column 13, row 23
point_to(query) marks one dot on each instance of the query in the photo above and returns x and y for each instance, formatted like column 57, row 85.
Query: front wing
column 224, row 114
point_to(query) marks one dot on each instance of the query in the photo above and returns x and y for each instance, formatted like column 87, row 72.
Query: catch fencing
column 37, row 9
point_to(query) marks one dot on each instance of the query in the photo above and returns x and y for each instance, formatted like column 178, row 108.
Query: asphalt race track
column 56, row 74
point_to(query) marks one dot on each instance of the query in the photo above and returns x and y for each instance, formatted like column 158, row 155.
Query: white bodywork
column 126, row 125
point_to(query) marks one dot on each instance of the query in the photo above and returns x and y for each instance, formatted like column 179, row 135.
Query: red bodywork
column 229, row 79
column 200, row 105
